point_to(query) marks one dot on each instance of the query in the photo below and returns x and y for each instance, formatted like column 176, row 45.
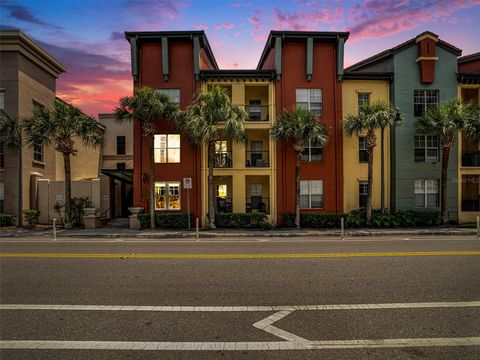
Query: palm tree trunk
column 297, row 190
column 68, row 191
column 371, row 143
column 443, row 196
column 211, row 197
column 382, row 170
column 152, row 182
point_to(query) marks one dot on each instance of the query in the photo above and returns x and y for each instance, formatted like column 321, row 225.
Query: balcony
column 257, row 112
column 471, row 205
column 222, row 159
column 471, row 159
column 223, row 204
column 260, row 204
column 257, row 159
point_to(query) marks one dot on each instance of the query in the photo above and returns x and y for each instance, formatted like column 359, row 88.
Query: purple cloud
column 21, row 13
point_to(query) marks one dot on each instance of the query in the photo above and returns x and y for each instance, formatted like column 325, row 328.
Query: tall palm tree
column 371, row 116
column 210, row 118
column 147, row 106
column 59, row 127
column 446, row 120
column 298, row 127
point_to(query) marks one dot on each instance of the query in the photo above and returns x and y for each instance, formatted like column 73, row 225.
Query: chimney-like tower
column 426, row 43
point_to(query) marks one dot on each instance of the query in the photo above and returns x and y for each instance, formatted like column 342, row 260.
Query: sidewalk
column 106, row 232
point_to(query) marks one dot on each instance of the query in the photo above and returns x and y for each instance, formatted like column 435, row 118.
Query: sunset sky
column 87, row 36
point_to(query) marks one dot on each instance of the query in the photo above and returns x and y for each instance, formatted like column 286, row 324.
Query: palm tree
column 299, row 127
column 147, row 106
column 59, row 127
column 210, row 118
column 446, row 120
column 371, row 116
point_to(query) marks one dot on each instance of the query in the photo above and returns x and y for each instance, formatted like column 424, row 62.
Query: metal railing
column 257, row 112
column 257, row 204
column 223, row 204
column 222, row 159
column 472, row 205
column 258, row 159
column 471, row 159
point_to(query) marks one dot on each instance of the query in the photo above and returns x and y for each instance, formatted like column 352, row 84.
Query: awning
column 125, row 175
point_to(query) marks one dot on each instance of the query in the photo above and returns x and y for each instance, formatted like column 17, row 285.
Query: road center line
column 238, row 256
column 273, row 308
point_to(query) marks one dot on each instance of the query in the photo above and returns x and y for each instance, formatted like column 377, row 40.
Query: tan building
column 27, row 79
column 116, row 167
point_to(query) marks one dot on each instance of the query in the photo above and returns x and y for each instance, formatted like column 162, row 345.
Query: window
column 310, row 99
column 362, row 194
column 222, row 191
column 167, row 195
column 2, row 197
column 173, row 93
column 121, row 145
column 121, row 166
column 423, row 100
column 255, row 110
column 426, row 193
column 363, row 98
column 312, row 152
column 38, row 152
column 362, row 149
column 2, row 154
column 2, row 99
column 167, row 148
column 311, row 194
column 426, row 148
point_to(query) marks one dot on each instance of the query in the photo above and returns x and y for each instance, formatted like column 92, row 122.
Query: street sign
column 187, row 183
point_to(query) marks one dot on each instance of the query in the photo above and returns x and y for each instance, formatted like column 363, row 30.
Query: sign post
column 187, row 185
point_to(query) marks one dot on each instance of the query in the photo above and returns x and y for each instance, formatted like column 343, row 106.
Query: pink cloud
column 242, row 4
column 200, row 26
column 307, row 20
column 228, row 26
column 253, row 20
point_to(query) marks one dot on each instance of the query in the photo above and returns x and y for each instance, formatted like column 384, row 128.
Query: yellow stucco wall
column 240, row 176
column 354, row 171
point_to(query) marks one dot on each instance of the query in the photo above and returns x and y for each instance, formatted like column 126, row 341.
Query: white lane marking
column 267, row 326
column 237, row 346
column 446, row 304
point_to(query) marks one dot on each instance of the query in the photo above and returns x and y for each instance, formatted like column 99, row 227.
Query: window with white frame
column 423, row 100
column 426, row 148
column 363, row 98
column 174, row 94
column 312, row 152
column 166, row 148
column 310, row 99
column 311, row 194
column 362, row 194
column 426, row 193
column 167, row 195
column 362, row 149
column 38, row 152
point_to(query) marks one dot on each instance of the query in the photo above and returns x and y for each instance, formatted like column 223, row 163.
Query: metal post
column 342, row 225
column 478, row 227
column 197, row 234
column 54, row 229
column 188, row 208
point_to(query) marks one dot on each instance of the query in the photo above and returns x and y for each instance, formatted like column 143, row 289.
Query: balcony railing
column 257, row 159
column 471, row 159
column 257, row 112
column 223, row 204
column 257, row 204
column 222, row 159
column 472, row 205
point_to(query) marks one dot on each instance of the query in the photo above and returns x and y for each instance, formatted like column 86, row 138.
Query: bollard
column 54, row 229
column 342, row 225
column 478, row 227
column 197, row 234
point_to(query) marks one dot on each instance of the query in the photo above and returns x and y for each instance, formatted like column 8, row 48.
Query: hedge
column 167, row 221
column 356, row 218
column 7, row 220
column 242, row 221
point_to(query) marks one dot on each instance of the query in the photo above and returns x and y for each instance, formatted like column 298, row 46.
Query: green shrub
column 31, row 216
column 313, row 220
column 167, row 220
column 242, row 221
column 7, row 220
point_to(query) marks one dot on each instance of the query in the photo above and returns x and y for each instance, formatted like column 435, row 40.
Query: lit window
column 426, row 193
column 426, row 148
column 363, row 98
column 167, row 148
column 362, row 149
column 423, row 100
column 167, row 195
column 311, row 194
column 312, row 152
column 174, row 94
column 310, row 99
column 362, row 194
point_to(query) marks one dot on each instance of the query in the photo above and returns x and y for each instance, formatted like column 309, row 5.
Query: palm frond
column 10, row 130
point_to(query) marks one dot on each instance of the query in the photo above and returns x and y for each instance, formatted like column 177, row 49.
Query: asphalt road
column 243, row 299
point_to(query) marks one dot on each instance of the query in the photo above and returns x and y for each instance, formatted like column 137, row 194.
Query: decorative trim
column 278, row 56
column 196, row 57
column 165, row 60
column 421, row 58
column 426, row 36
column 309, row 65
